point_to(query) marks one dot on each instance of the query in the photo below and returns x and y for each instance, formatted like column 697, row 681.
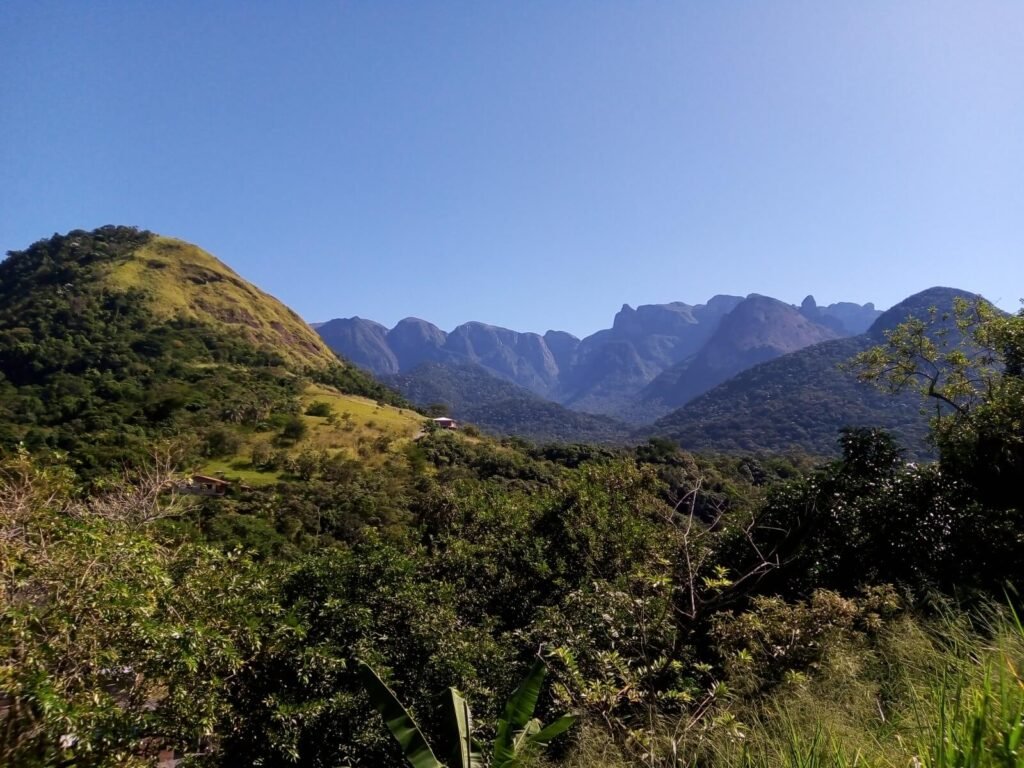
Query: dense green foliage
column 967, row 362
column 113, row 645
column 518, row 734
column 647, row 615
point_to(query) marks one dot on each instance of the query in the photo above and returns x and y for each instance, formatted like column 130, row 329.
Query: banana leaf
column 398, row 720
column 518, row 713
column 557, row 728
column 460, row 749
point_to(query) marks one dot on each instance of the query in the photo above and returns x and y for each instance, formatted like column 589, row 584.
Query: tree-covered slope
column 800, row 400
column 795, row 402
column 114, row 337
column 474, row 395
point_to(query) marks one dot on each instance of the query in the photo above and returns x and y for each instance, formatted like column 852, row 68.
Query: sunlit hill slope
column 115, row 340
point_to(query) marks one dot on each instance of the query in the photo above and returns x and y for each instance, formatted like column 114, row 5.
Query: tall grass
column 980, row 722
column 947, row 693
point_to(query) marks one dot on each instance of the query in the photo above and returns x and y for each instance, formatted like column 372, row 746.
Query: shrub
column 294, row 429
column 221, row 442
column 319, row 408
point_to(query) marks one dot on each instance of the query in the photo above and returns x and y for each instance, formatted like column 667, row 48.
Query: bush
column 319, row 408
column 294, row 429
column 260, row 456
column 221, row 442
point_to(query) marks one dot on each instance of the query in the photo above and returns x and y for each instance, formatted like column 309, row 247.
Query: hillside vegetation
column 330, row 429
column 796, row 402
column 112, row 339
column 800, row 400
column 182, row 281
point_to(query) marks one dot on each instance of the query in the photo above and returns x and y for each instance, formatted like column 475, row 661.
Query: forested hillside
column 800, row 400
column 112, row 339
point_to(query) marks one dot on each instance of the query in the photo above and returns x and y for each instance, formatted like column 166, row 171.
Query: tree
column 319, row 408
column 971, row 363
column 294, row 429
column 112, row 646
column 958, row 359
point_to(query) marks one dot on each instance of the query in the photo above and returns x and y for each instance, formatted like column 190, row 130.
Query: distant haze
column 530, row 165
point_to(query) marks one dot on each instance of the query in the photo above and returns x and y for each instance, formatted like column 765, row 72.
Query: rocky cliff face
column 563, row 348
column 522, row 358
column 365, row 340
column 757, row 330
column 415, row 341
column 613, row 365
column 845, row 318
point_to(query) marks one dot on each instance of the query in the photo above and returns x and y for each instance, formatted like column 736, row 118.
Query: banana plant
column 518, row 732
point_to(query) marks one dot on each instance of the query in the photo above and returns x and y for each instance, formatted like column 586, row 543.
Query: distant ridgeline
column 652, row 360
column 499, row 406
column 735, row 374
column 111, row 338
column 801, row 400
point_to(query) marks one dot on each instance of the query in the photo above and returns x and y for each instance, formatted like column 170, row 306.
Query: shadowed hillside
column 800, row 400
column 473, row 395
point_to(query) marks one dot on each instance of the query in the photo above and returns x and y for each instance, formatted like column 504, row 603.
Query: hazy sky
column 530, row 164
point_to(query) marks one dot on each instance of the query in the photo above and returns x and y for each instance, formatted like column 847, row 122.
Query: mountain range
column 652, row 359
column 733, row 374
column 799, row 401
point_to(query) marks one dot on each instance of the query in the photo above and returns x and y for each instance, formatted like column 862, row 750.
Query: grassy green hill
column 182, row 281
column 113, row 338
column 336, row 428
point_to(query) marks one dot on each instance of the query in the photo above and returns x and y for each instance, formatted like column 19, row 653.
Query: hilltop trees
column 971, row 364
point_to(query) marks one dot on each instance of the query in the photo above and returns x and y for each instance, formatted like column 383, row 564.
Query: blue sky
column 530, row 164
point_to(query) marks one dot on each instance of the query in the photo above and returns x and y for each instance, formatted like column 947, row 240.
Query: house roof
column 443, row 418
column 208, row 479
